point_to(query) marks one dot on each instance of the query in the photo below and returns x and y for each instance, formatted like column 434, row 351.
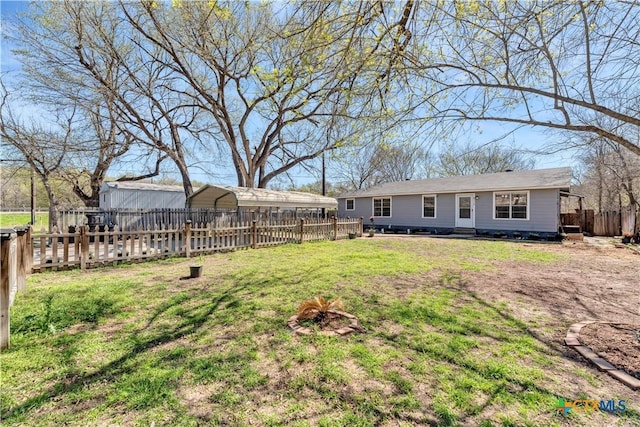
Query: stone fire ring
column 354, row 325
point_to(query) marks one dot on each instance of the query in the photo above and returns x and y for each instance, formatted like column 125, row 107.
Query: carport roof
column 227, row 197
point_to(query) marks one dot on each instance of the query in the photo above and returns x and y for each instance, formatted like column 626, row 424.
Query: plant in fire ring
column 317, row 309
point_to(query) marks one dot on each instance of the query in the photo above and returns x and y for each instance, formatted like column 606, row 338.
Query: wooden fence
column 22, row 252
column 15, row 250
column 134, row 219
column 580, row 218
column 88, row 249
column 614, row 223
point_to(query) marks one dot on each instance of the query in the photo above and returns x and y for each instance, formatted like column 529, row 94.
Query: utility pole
column 33, row 197
column 324, row 178
column 324, row 183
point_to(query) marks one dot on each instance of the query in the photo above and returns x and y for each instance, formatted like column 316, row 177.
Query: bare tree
column 100, row 144
column 363, row 167
column 88, row 56
column 612, row 176
column 274, row 84
column 455, row 159
column 43, row 148
column 554, row 64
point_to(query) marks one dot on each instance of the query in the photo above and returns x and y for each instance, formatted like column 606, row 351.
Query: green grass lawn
column 139, row 344
column 17, row 219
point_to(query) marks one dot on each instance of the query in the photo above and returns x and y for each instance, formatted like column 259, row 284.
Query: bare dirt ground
column 618, row 343
column 593, row 280
column 590, row 282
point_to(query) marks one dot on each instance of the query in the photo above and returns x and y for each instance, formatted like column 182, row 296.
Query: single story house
column 525, row 202
column 140, row 195
column 254, row 203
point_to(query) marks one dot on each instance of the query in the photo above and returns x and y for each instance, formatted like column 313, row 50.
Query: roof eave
column 470, row 190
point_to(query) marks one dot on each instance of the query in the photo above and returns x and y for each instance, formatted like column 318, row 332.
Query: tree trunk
column 184, row 173
column 53, row 203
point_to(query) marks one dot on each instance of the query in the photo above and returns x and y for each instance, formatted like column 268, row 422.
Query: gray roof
column 135, row 185
column 227, row 197
column 522, row 180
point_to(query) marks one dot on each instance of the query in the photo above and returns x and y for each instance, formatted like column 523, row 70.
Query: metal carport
column 261, row 200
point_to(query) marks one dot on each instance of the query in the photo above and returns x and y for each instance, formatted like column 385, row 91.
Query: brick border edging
column 354, row 325
column 573, row 340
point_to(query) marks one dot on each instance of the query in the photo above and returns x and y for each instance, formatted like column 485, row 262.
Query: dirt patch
column 590, row 281
column 618, row 343
column 586, row 283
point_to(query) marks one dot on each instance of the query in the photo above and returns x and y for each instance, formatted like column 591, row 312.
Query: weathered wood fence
column 88, row 249
column 614, row 223
column 23, row 252
column 131, row 219
column 581, row 218
column 15, row 262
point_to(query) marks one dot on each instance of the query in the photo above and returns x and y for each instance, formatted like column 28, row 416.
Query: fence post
column 187, row 238
column 335, row 227
column 29, row 249
column 21, row 259
column 254, row 234
column 361, row 227
column 84, row 246
column 7, row 275
column 301, row 230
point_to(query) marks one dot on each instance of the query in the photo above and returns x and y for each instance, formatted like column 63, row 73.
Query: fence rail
column 89, row 249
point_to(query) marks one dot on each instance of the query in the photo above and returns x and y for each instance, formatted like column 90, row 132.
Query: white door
column 465, row 210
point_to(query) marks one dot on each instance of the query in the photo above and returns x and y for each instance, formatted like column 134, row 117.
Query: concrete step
column 464, row 230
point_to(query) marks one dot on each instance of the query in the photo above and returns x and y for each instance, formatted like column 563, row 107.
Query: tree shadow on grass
column 193, row 318
column 508, row 382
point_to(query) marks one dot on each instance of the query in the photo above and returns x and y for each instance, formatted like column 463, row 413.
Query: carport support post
column 187, row 238
column 335, row 227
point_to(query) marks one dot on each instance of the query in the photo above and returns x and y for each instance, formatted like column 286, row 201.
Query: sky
column 528, row 138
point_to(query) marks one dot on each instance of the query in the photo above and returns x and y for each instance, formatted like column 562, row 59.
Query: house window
column 512, row 205
column 382, row 206
column 428, row 206
column 350, row 204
